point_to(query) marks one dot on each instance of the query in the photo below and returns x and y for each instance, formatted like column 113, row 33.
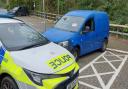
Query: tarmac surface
column 107, row 70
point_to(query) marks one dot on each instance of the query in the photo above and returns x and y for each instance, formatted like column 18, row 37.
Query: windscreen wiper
column 31, row 46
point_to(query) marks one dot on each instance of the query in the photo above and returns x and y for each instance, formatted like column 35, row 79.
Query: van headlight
column 38, row 77
column 64, row 44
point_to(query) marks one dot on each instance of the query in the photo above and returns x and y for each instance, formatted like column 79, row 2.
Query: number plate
column 72, row 84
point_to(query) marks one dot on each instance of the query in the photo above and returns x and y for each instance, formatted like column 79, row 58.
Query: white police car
column 29, row 61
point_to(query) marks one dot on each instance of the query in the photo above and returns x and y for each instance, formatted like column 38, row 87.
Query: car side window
column 89, row 26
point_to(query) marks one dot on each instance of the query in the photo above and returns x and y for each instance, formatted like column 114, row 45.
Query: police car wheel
column 75, row 53
column 104, row 47
column 8, row 83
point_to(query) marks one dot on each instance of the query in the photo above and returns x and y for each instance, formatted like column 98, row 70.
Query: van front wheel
column 104, row 46
column 8, row 83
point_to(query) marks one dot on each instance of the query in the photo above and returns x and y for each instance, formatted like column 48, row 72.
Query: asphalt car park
column 104, row 71
column 107, row 70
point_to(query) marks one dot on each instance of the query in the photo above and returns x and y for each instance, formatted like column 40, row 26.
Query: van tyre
column 8, row 83
column 76, row 52
column 104, row 46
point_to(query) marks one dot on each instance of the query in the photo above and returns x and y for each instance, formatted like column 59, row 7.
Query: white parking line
column 86, row 76
column 110, row 49
column 116, row 55
column 92, row 61
column 91, row 86
column 109, row 63
column 116, row 74
column 98, row 75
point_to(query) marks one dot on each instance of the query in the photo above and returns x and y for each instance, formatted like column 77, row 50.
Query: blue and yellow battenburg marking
column 2, row 53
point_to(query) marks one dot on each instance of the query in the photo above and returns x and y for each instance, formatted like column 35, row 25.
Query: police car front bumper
column 22, row 85
column 26, row 86
column 62, row 85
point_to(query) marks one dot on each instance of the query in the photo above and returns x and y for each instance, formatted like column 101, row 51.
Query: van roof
column 84, row 13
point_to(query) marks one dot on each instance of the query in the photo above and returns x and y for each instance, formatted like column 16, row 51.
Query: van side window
column 89, row 26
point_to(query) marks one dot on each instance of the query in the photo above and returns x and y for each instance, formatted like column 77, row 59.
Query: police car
column 30, row 61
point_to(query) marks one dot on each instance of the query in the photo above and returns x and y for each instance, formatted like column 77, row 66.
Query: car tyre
column 104, row 46
column 8, row 83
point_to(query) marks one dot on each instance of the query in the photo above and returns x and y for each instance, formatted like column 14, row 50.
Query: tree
column 117, row 9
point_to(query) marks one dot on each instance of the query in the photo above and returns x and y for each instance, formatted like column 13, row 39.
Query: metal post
column 7, row 2
column 58, row 7
column 44, row 15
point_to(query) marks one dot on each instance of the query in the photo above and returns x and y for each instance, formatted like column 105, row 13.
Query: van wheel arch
column 76, row 51
column 106, row 39
column 104, row 45
column 77, row 46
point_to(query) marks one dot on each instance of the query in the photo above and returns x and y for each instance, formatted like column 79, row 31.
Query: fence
column 49, row 16
column 119, row 29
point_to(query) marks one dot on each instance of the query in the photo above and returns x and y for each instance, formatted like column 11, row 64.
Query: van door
column 88, row 36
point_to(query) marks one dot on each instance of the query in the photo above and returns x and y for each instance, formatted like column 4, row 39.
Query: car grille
column 64, row 84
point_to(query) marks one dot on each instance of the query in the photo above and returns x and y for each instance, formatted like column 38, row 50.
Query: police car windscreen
column 18, row 36
column 70, row 23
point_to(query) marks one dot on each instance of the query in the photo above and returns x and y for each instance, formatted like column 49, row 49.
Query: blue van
column 81, row 31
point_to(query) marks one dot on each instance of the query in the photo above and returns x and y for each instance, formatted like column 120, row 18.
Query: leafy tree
column 117, row 9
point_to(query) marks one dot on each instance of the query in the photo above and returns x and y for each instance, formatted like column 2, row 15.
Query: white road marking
column 112, row 55
column 86, row 76
column 91, row 86
column 116, row 74
column 100, row 62
column 98, row 75
column 110, row 63
column 120, row 51
column 92, row 75
column 92, row 61
column 116, row 55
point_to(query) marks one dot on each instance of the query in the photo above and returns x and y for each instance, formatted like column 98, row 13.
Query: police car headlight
column 34, row 77
column 37, row 77
column 64, row 44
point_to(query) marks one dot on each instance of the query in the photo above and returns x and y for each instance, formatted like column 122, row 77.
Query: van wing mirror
column 57, row 19
column 1, row 44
